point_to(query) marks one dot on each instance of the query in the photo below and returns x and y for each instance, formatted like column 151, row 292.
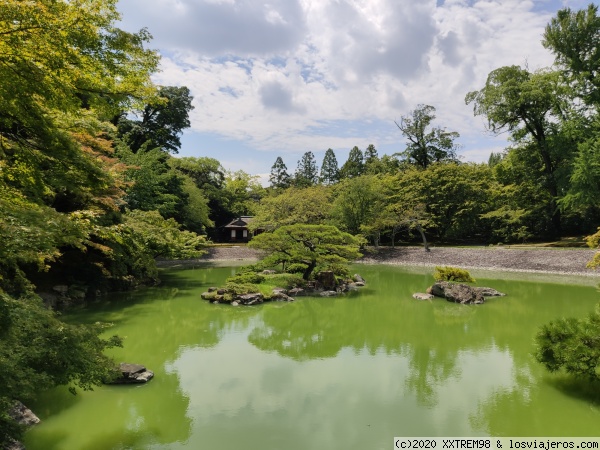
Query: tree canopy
column 426, row 144
column 311, row 245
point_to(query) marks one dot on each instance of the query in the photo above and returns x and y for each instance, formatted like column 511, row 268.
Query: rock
column 23, row 415
column 457, row 292
column 234, row 303
column 352, row 286
column 359, row 284
column 328, row 294
column 221, row 291
column 281, row 296
column 133, row 373
column 207, row 295
column 212, row 289
column 295, row 292
column 326, row 278
column 250, row 299
column 61, row 289
column 489, row 292
column 422, row 296
column 358, row 278
column 268, row 272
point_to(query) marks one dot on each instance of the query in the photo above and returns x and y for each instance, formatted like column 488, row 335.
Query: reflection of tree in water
column 156, row 324
column 428, row 371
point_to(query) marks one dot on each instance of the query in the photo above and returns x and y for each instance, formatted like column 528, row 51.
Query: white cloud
column 277, row 75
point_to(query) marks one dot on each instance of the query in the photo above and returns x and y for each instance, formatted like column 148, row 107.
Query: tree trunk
column 423, row 236
column 309, row 270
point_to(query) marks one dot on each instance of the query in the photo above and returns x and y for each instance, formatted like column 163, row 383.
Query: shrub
column 246, row 278
column 572, row 344
column 296, row 268
column 448, row 273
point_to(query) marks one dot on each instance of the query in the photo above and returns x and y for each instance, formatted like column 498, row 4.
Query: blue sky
column 282, row 77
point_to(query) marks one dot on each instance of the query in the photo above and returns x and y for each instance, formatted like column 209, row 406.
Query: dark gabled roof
column 240, row 222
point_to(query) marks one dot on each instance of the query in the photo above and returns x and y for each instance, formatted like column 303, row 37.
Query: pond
column 326, row 373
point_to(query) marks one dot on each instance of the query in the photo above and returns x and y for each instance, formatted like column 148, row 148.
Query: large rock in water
column 457, row 292
column 133, row 373
column 326, row 279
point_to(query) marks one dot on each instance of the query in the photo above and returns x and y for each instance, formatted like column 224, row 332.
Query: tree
column 311, row 245
column 354, row 166
column 159, row 124
column 279, row 178
column 307, row 172
column 528, row 106
column 572, row 344
column 311, row 205
column 447, row 200
column 330, row 173
column 574, row 38
column 39, row 352
column 426, row 146
column 242, row 193
column 356, row 200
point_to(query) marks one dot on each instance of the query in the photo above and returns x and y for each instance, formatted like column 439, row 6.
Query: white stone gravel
column 533, row 260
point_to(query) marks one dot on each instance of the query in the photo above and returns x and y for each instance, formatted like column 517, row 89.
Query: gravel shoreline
column 532, row 260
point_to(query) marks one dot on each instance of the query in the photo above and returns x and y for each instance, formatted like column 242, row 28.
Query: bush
column 571, row 344
column 448, row 273
column 246, row 278
column 296, row 268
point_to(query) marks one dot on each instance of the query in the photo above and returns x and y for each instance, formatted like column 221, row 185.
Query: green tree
column 307, row 172
column 311, row 205
column 528, row 106
column 356, row 200
column 330, row 173
column 242, row 193
column 354, row 165
column 153, row 185
column 311, row 245
column 209, row 177
column 447, row 200
column 279, row 178
column 39, row 352
column 572, row 344
column 574, row 38
column 160, row 124
column 426, row 146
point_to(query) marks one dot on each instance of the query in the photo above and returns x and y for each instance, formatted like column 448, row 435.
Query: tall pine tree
column 330, row 173
column 354, row 166
column 280, row 178
column 307, row 172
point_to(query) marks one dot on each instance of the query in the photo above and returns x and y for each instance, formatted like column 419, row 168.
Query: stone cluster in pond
column 458, row 293
column 325, row 285
column 132, row 374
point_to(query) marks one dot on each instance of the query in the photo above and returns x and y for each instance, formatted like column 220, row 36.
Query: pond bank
column 534, row 260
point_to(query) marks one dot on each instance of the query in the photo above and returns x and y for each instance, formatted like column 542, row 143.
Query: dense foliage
column 447, row 273
column 571, row 344
column 309, row 245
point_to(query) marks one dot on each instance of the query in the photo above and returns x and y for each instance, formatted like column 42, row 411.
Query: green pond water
column 326, row 373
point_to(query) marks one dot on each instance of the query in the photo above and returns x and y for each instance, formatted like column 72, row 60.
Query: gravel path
column 535, row 260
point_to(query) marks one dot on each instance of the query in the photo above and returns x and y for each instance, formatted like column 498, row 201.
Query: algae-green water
column 349, row 372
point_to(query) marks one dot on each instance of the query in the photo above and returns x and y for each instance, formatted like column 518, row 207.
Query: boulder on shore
column 422, row 296
column 457, row 293
column 462, row 293
column 132, row 373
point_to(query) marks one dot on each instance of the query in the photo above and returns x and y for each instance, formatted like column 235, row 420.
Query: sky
column 282, row 77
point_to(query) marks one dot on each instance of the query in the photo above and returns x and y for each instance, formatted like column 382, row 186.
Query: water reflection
column 335, row 373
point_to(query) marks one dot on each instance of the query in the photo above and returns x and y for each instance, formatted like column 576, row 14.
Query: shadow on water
column 579, row 388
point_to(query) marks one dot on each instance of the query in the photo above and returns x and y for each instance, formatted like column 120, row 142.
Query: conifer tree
column 307, row 172
column 330, row 173
column 280, row 178
column 355, row 165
